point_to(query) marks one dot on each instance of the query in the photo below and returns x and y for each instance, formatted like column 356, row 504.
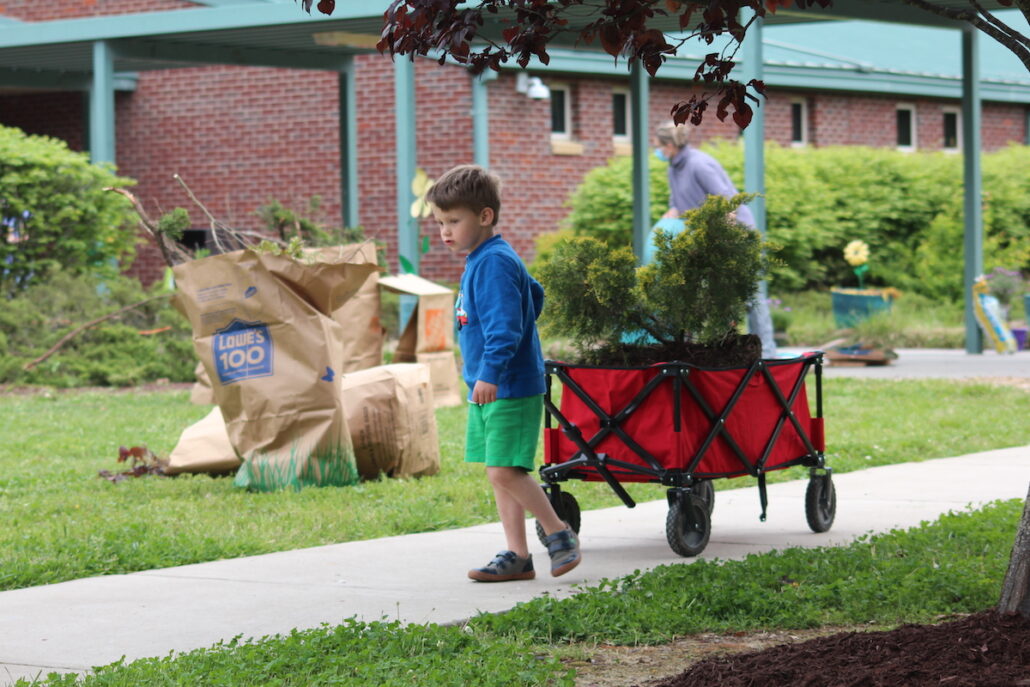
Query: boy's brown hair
column 467, row 186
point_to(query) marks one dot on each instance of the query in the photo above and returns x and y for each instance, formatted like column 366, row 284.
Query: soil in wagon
column 739, row 350
column 981, row 650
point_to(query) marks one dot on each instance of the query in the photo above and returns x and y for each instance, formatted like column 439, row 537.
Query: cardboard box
column 429, row 335
column 431, row 327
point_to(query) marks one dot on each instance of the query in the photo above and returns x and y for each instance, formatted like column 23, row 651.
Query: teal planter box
column 851, row 306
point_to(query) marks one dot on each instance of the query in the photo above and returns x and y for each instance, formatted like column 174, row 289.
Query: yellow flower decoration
column 420, row 185
column 856, row 253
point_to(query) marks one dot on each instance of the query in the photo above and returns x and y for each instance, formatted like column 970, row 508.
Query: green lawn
column 62, row 522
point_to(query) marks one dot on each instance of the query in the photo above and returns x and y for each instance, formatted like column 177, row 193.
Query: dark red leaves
column 496, row 32
column 144, row 462
column 742, row 115
column 325, row 6
column 611, row 39
column 692, row 110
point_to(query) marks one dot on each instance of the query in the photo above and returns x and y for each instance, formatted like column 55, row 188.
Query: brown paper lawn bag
column 390, row 416
column 201, row 393
column 392, row 420
column 262, row 327
column 429, row 335
column 359, row 316
column 204, row 446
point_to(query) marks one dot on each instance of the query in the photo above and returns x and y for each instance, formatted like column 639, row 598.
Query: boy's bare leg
column 517, row 492
column 513, row 520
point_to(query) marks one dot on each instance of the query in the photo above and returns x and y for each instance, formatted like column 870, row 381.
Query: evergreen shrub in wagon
column 666, row 389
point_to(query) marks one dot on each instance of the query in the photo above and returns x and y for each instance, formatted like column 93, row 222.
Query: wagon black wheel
column 688, row 527
column 820, row 503
column 706, row 492
column 567, row 509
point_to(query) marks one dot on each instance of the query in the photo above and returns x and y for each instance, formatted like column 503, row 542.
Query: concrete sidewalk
column 75, row 625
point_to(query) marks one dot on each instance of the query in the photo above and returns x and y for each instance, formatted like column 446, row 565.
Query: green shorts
column 504, row 433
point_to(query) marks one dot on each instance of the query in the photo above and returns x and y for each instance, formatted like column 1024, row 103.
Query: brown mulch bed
column 981, row 650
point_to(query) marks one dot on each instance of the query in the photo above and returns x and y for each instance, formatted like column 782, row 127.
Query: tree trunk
column 1015, row 591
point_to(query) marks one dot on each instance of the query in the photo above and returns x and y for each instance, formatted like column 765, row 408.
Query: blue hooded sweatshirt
column 497, row 307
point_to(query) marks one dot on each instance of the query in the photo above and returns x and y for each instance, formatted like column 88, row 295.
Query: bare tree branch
column 83, row 327
column 1000, row 25
column 1016, row 44
column 216, row 226
column 171, row 252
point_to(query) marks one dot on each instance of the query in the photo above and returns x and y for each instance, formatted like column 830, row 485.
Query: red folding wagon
column 682, row 426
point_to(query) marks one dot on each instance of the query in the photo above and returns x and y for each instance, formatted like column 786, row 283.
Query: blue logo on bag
column 243, row 350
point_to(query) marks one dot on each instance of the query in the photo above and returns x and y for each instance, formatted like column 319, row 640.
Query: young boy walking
column 497, row 307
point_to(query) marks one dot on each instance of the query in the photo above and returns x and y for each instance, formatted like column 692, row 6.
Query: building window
column 561, row 111
column 798, row 122
column 906, row 127
column 952, row 137
column 562, row 142
column 620, row 115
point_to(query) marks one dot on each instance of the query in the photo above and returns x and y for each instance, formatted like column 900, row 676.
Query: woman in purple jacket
column 693, row 176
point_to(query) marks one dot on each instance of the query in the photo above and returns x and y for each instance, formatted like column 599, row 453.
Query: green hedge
column 906, row 206
column 143, row 344
column 54, row 212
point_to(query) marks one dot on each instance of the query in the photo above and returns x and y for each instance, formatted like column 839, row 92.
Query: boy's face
column 462, row 229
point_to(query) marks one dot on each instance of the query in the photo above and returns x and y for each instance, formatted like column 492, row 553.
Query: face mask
column 660, row 154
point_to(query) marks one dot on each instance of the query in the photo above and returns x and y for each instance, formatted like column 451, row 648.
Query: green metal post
column 972, row 207
column 349, row 145
column 481, row 118
column 407, row 226
column 404, row 117
column 101, row 105
column 754, row 135
column 639, row 119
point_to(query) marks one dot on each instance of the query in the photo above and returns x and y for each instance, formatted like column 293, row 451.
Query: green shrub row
column 906, row 206
column 145, row 343
column 55, row 213
column 954, row 565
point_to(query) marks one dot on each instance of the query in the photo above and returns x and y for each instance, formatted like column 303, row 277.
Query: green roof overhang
column 56, row 54
column 815, row 77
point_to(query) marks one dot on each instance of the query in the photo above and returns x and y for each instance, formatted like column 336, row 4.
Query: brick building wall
column 239, row 137
column 46, row 114
column 37, row 10
column 243, row 136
